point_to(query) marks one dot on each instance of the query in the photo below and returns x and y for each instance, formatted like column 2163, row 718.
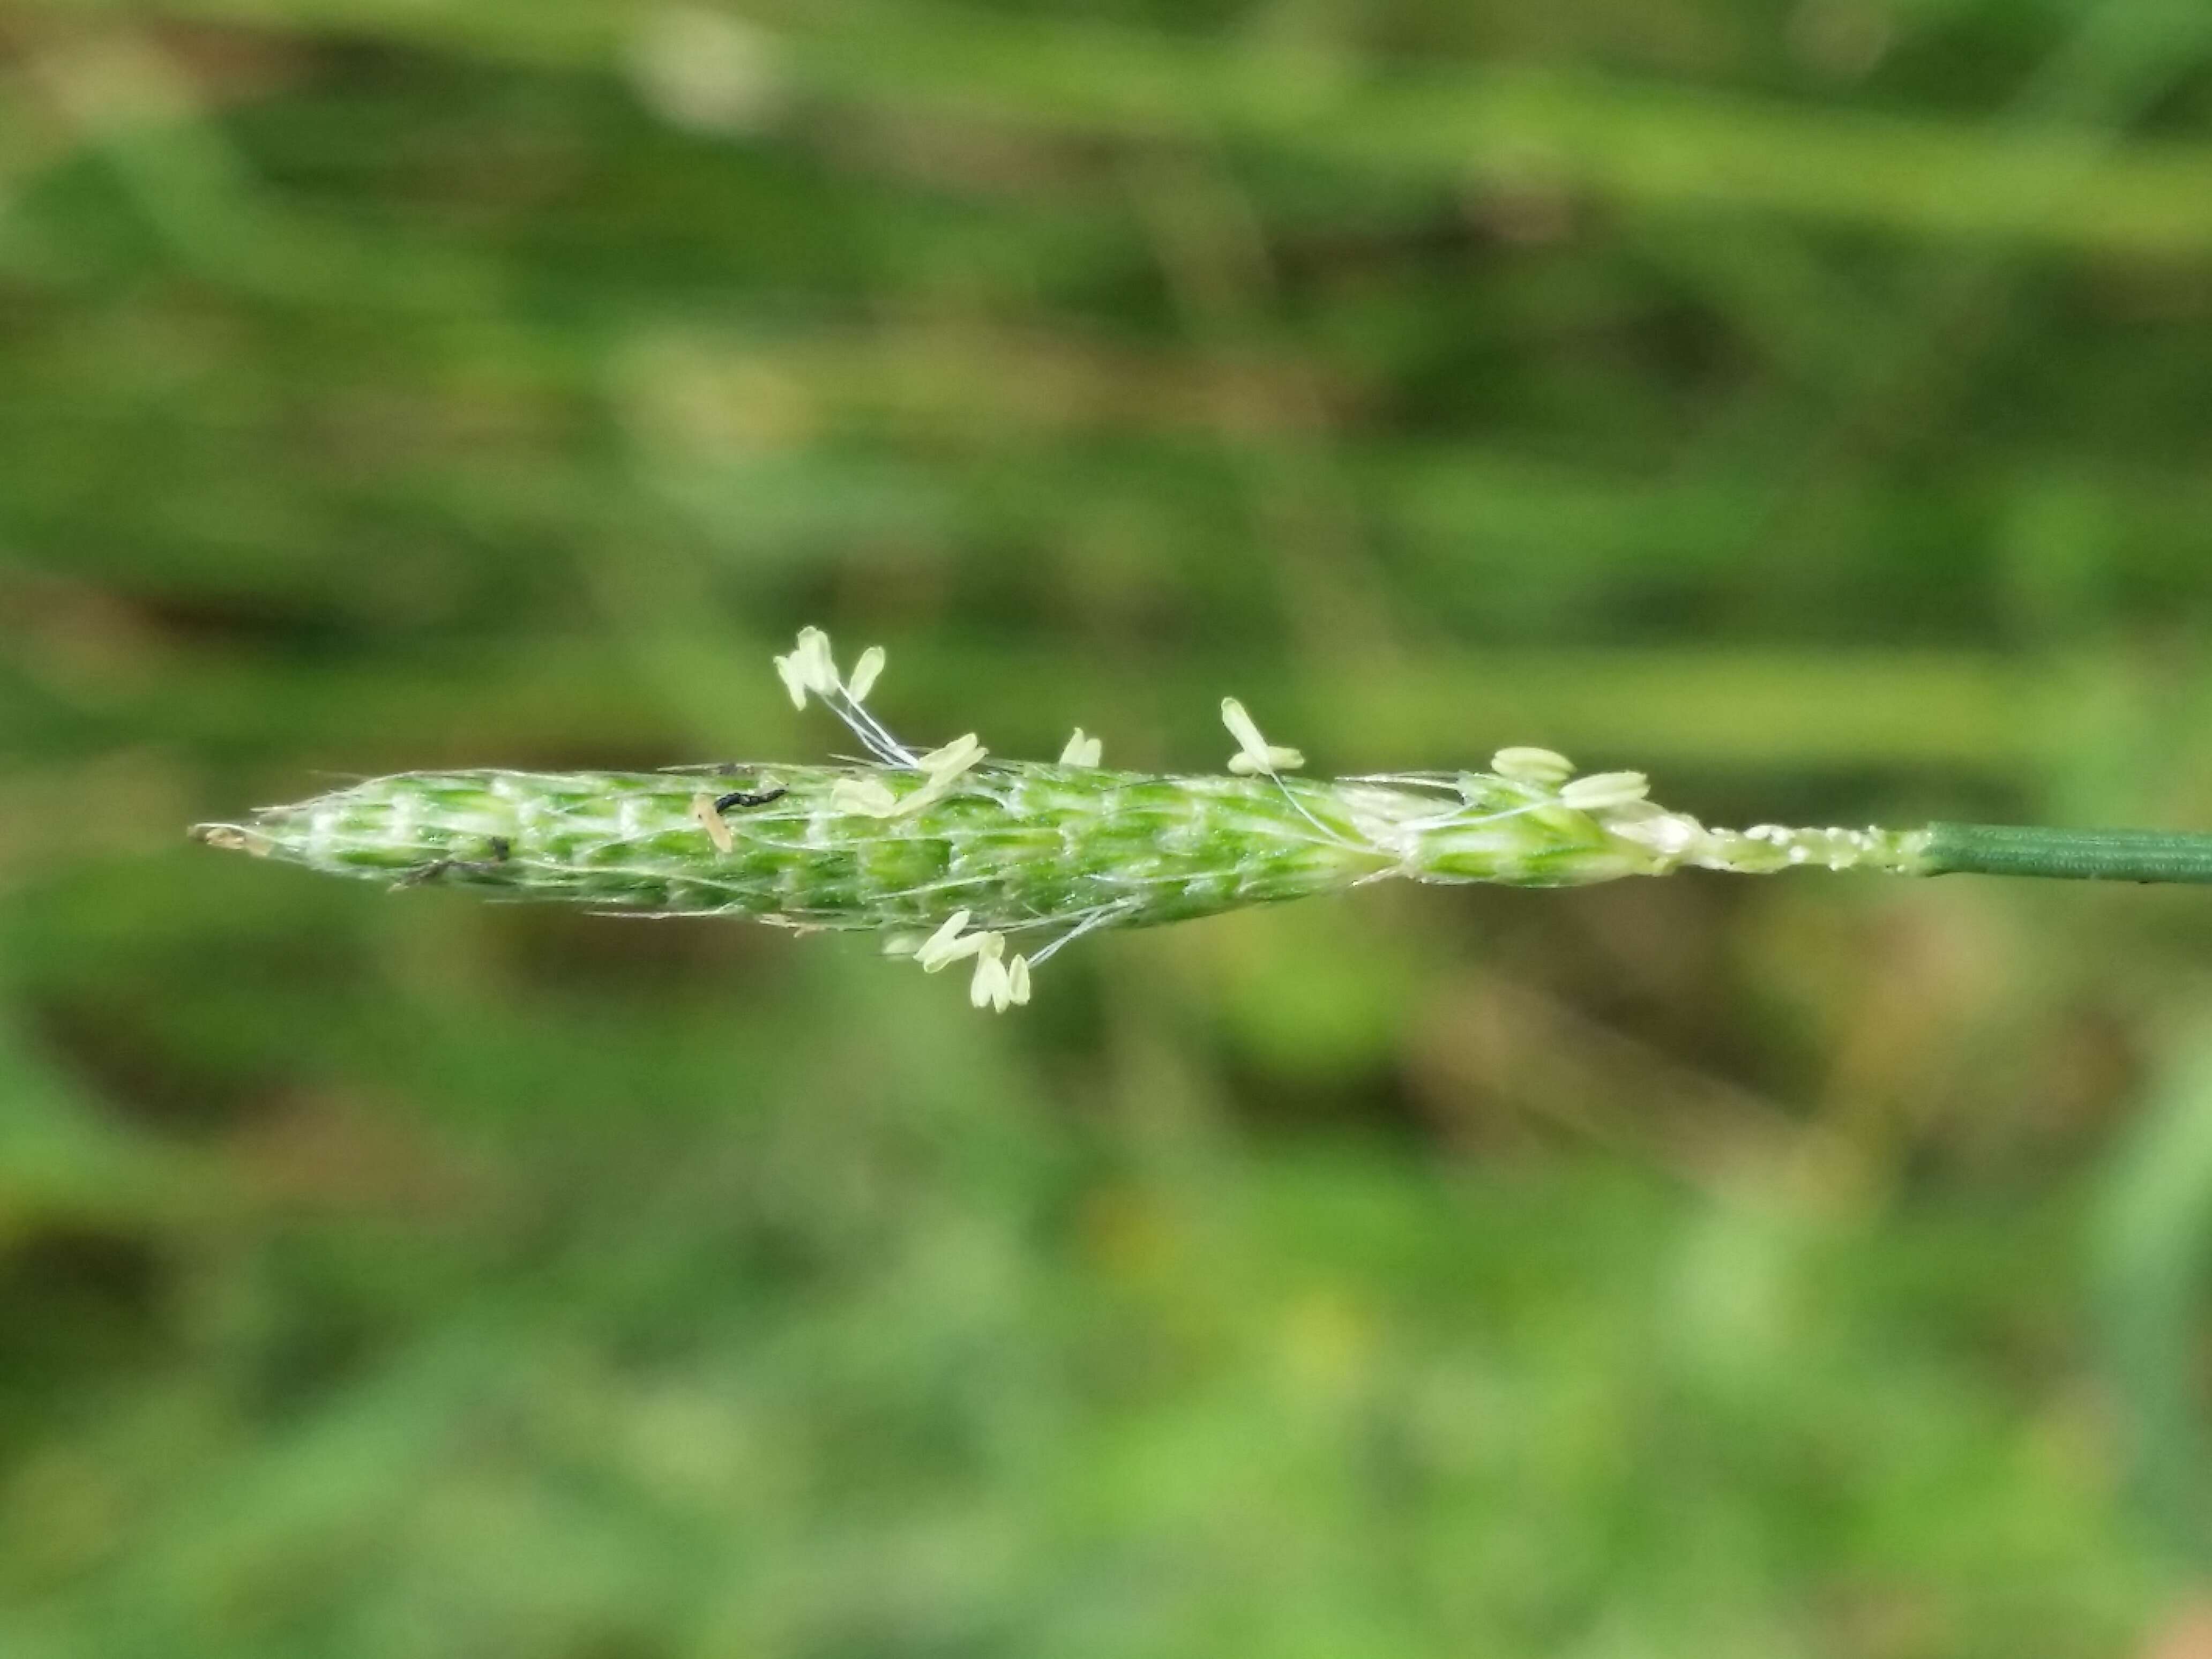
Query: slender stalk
column 2137, row 855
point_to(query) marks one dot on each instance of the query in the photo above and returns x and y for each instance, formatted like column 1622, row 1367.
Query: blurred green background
column 1810, row 402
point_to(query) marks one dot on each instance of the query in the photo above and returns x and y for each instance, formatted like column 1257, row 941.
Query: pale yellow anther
column 994, row 982
column 1524, row 765
column 1081, row 751
column 1602, row 789
column 945, row 944
column 866, row 796
column 793, row 677
column 953, row 758
column 702, row 810
column 988, row 987
column 1254, row 753
column 943, row 767
column 807, row 667
column 864, row 673
column 967, row 946
column 814, row 660
column 991, row 983
column 231, row 839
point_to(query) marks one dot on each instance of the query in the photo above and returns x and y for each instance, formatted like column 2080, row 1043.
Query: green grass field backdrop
column 1809, row 403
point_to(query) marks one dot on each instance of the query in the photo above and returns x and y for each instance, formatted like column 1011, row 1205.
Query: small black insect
column 502, row 849
column 739, row 797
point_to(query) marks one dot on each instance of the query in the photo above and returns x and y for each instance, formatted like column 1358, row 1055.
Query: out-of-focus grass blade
column 1673, row 148
column 62, row 1162
column 2155, row 1245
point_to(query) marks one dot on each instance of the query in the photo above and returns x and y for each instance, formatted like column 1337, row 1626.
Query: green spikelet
column 1019, row 846
column 979, row 850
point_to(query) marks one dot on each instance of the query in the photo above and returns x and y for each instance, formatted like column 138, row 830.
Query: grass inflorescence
column 954, row 855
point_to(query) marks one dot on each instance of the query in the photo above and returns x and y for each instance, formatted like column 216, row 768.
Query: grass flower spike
column 953, row 854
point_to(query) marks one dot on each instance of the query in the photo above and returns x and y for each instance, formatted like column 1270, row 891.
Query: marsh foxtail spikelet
column 952, row 854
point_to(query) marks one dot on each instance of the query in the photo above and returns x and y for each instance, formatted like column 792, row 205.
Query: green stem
column 2139, row 855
